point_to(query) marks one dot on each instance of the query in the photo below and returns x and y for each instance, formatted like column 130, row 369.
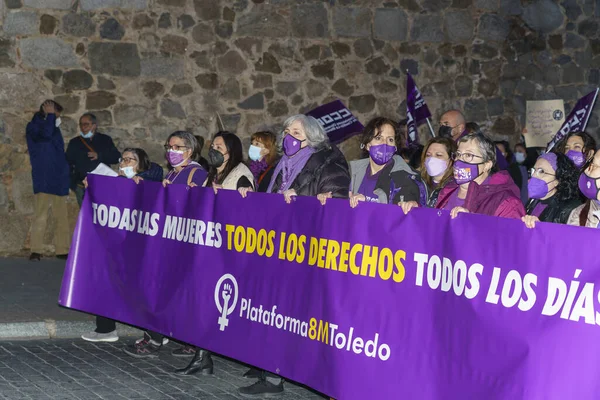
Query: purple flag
column 337, row 120
column 417, row 306
column 577, row 119
column 416, row 110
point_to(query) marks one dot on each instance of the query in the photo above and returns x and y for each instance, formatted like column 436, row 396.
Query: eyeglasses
column 539, row 172
column 126, row 160
column 466, row 157
column 85, row 124
column 175, row 147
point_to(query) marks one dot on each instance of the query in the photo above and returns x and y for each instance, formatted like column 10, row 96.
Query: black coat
column 325, row 171
column 556, row 211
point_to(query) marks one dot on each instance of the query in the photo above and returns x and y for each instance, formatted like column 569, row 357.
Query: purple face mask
column 291, row 145
column 588, row 186
column 537, row 188
column 577, row 157
column 175, row 157
column 382, row 153
column 465, row 172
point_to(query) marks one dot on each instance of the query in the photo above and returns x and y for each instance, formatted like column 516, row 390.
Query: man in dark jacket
column 50, row 176
column 86, row 151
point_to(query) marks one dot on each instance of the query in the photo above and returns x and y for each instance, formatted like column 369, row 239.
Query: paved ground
column 42, row 357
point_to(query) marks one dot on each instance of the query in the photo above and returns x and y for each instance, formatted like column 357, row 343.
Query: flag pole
column 220, row 122
column 430, row 128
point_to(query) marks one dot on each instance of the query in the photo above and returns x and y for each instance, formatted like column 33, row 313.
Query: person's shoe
column 165, row 340
column 35, row 257
column 146, row 348
column 202, row 362
column 253, row 373
column 101, row 337
column 62, row 256
column 184, row 351
column 261, row 388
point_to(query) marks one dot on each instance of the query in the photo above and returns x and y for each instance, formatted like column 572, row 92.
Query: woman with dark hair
column 436, row 170
column 135, row 165
column 478, row 187
column 588, row 214
column 382, row 176
column 578, row 146
column 552, row 190
column 263, row 158
column 228, row 172
column 226, row 161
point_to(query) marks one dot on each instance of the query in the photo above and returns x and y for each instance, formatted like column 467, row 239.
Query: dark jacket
column 497, row 196
column 325, row 171
column 154, row 173
column 46, row 147
column 263, row 181
column 556, row 211
column 79, row 162
column 396, row 179
column 519, row 175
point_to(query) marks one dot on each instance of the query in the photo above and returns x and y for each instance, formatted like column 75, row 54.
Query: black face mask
column 445, row 131
column 215, row 158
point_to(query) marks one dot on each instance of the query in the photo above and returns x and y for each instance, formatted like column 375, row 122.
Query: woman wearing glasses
column 587, row 213
column 552, row 190
column 180, row 151
column 135, row 165
column 478, row 186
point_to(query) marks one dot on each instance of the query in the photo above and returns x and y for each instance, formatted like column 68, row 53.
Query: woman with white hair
column 310, row 165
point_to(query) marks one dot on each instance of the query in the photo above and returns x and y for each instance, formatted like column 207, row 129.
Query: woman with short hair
column 478, row 187
column 181, row 150
column 263, row 157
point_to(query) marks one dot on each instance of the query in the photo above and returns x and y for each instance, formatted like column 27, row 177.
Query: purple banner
column 577, row 119
column 337, row 120
column 416, row 110
column 364, row 303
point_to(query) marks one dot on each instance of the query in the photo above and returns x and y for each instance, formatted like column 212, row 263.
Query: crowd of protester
column 460, row 170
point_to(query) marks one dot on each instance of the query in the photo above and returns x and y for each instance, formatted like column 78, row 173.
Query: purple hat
column 551, row 158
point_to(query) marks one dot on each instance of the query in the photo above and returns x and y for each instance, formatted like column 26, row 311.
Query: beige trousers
column 62, row 234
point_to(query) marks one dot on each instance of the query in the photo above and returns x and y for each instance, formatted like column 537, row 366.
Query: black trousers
column 105, row 325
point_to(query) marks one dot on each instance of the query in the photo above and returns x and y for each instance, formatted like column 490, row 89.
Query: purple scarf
column 257, row 167
column 290, row 167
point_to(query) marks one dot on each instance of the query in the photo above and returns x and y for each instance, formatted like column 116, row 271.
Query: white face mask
column 87, row 135
column 57, row 122
column 128, row 172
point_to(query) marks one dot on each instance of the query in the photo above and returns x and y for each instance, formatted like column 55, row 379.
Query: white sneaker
column 101, row 337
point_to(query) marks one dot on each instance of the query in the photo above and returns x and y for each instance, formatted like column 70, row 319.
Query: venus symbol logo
column 226, row 286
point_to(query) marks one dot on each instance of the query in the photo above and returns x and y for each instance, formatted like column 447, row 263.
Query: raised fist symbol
column 226, row 293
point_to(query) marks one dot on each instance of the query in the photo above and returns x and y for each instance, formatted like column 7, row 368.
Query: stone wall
column 148, row 67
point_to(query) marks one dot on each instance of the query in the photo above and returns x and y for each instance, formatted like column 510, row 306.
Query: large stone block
column 352, row 22
column 262, row 22
column 79, row 25
column 543, row 15
column 47, row 53
column 100, row 100
column 207, row 10
column 493, row 27
column 390, row 24
column 171, row 109
column 130, row 114
column 77, row 79
column 111, row 29
column 162, row 67
column 46, row 4
column 310, row 21
column 459, row 26
column 362, row 104
column 22, row 89
column 13, row 233
column 20, row 23
column 427, row 28
column 232, row 63
column 88, row 5
column 118, row 59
